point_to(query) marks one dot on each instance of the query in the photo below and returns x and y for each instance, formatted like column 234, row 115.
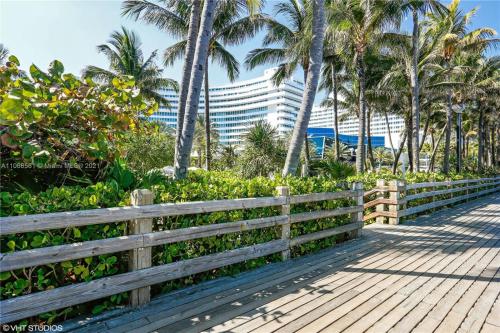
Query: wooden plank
column 322, row 317
column 379, row 201
column 313, row 197
column 284, row 191
column 267, row 311
column 321, row 214
column 32, row 304
column 448, row 183
column 140, row 258
column 411, row 299
column 440, row 318
column 435, row 204
column 53, row 254
column 37, row 222
column 325, row 233
column 447, row 191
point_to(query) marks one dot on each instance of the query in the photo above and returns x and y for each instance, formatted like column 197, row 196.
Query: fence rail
column 396, row 206
column 139, row 216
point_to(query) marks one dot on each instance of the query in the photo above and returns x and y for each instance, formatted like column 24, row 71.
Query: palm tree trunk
column 415, row 106
column 194, row 20
column 193, row 100
column 308, row 156
column 434, row 151
column 389, row 133
column 426, row 129
column 360, row 151
column 480, row 139
column 313, row 74
column 449, row 116
column 493, row 145
column 409, row 129
column 335, row 112
column 369, row 137
column 208, row 156
column 398, row 154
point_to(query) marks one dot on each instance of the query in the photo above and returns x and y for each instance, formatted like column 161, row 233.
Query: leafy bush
column 53, row 121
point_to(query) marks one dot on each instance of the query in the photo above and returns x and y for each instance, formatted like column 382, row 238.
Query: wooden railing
column 401, row 196
column 141, row 238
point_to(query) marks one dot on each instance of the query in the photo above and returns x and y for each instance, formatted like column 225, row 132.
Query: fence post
column 358, row 217
column 396, row 196
column 141, row 257
column 380, row 195
column 284, row 191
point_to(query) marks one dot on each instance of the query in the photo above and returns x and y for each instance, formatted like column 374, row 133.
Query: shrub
column 54, row 121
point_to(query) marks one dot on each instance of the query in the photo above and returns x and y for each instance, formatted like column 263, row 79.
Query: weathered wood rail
column 141, row 238
column 402, row 196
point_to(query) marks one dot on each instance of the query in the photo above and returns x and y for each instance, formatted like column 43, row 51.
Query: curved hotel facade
column 234, row 108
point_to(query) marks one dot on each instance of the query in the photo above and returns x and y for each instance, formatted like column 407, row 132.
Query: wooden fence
column 398, row 199
column 141, row 238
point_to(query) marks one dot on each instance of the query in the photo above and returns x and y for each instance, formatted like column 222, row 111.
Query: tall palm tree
column 452, row 35
column 359, row 24
column 172, row 17
column 228, row 29
column 195, row 59
column 193, row 97
column 332, row 74
column 125, row 57
column 417, row 7
column 480, row 90
column 311, row 85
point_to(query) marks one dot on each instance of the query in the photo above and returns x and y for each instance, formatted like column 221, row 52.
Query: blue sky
column 38, row 31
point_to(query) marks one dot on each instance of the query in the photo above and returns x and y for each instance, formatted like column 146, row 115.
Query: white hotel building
column 234, row 108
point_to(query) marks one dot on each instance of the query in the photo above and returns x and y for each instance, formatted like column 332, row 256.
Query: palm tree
column 193, row 97
column 451, row 33
column 311, row 85
column 227, row 30
column 172, row 17
column 333, row 66
column 263, row 153
column 480, row 90
column 125, row 57
column 4, row 52
column 417, row 7
column 359, row 25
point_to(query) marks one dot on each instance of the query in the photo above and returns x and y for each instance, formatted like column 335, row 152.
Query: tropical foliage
column 125, row 57
column 61, row 128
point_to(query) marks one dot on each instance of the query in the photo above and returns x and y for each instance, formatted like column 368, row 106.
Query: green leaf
column 10, row 109
column 56, row 68
column 11, row 245
column 13, row 58
column 4, row 276
column 77, row 233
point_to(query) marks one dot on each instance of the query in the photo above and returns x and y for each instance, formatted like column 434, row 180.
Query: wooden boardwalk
column 439, row 273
